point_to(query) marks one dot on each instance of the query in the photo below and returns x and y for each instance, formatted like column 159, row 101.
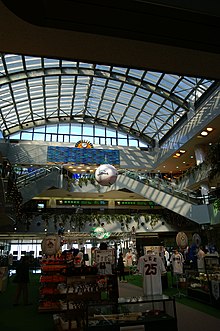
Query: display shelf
column 212, row 268
column 62, row 322
column 78, row 292
column 198, row 287
column 50, row 280
column 153, row 313
column 205, row 286
column 49, row 306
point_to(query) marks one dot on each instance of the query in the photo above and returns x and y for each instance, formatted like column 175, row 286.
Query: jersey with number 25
column 151, row 267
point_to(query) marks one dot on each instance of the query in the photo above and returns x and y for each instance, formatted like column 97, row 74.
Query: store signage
column 100, row 233
column 150, row 204
column 84, row 144
column 76, row 155
column 72, row 203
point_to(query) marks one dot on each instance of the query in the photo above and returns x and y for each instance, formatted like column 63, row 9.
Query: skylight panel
column 119, row 70
column 110, row 93
column 102, row 67
column 72, row 64
column 98, row 81
column 152, row 77
column 107, row 104
column 115, row 84
column 128, row 88
column 32, row 62
column 143, row 93
column 124, row 97
column 14, row 63
column 50, row 63
column 138, row 102
column 86, row 65
column 136, row 73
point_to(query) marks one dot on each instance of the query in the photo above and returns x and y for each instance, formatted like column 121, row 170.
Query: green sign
column 150, row 204
column 71, row 202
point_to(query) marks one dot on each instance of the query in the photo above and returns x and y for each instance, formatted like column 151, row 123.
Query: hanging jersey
column 128, row 259
column 177, row 263
column 151, row 267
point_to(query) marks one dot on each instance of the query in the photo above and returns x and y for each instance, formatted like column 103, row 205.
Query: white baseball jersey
column 151, row 267
column 177, row 263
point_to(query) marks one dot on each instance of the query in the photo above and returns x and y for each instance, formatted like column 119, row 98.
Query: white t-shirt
column 200, row 260
column 167, row 257
column 177, row 263
column 128, row 259
column 151, row 266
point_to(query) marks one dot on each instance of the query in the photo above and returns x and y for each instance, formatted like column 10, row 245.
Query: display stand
column 148, row 313
column 179, row 294
column 51, row 277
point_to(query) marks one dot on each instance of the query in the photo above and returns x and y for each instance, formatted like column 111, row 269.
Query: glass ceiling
column 37, row 91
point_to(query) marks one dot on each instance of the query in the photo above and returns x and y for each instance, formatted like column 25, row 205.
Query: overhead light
column 206, row 131
column 179, row 153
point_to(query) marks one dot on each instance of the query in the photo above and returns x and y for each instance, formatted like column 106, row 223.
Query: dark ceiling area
column 150, row 21
column 158, row 35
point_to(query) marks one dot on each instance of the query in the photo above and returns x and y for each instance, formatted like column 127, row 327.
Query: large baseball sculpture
column 50, row 245
column 106, row 174
column 181, row 240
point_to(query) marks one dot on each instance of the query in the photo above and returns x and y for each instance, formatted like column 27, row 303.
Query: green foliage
column 216, row 204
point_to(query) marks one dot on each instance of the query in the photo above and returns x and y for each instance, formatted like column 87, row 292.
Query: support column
column 200, row 155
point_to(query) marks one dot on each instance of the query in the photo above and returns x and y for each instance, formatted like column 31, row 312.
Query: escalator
column 34, row 183
column 154, row 189
column 178, row 202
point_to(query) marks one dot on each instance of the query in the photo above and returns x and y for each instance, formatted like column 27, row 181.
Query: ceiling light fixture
column 205, row 132
column 179, row 153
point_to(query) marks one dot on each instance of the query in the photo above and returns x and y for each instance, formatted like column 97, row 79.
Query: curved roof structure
column 37, row 91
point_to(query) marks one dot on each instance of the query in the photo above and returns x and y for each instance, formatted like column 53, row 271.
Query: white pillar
column 200, row 154
column 61, row 177
column 204, row 192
